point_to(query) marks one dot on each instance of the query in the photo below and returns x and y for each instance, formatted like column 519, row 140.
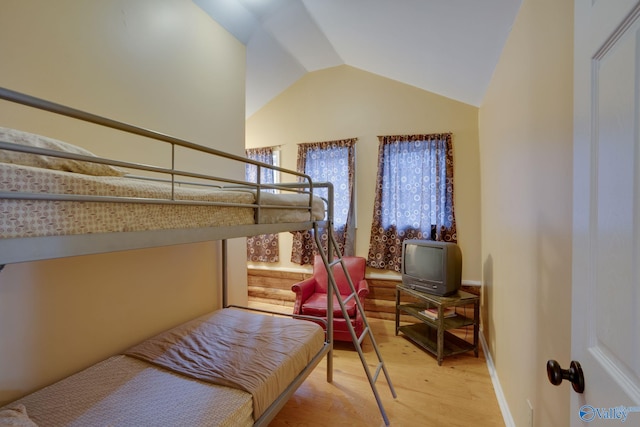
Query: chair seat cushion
column 316, row 305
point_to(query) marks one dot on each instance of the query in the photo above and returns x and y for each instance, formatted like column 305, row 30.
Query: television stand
column 433, row 334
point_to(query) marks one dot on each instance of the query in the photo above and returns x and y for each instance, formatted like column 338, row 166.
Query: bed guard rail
column 304, row 183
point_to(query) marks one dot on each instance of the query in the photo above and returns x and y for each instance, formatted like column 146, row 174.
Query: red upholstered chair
column 311, row 295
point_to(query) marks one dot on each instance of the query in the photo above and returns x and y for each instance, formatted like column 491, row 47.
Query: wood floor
column 457, row 393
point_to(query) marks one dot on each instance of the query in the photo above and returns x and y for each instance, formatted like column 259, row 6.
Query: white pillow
column 16, row 416
column 47, row 162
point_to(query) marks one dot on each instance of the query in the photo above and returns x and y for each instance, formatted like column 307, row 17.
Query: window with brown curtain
column 414, row 195
column 334, row 162
column 265, row 247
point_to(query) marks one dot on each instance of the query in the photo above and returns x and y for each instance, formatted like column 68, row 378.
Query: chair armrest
column 303, row 291
column 306, row 287
column 363, row 289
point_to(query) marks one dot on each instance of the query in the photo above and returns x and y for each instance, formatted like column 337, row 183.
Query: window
column 265, row 247
column 414, row 195
column 268, row 155
column 334, row 162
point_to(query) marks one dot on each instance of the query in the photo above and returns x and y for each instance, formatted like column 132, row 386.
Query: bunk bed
column 43, row 179
column 59, row 200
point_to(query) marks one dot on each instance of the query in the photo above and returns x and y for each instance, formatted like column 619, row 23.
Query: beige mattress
column 123, row 391
column 222, row 369
column 256, row 353
column 35, row 218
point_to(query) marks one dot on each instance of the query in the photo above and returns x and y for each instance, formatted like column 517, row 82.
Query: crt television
column 432, row 267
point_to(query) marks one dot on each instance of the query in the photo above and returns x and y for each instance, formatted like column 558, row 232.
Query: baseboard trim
column 502, row 401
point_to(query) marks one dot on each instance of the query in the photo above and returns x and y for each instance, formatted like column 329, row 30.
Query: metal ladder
column 332, row 257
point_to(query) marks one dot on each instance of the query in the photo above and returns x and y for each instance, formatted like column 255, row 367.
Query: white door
column 606, row 229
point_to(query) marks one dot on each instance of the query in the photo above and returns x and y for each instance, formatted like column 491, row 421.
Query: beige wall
column 345, row 102
column 161, row 64
column 526, row 173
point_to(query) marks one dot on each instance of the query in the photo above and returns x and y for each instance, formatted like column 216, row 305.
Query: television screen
column 424, row 262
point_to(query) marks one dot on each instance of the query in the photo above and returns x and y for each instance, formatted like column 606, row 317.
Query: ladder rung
column 363, row 335
column 350, row 297
column 378, row 369
column 335, row 262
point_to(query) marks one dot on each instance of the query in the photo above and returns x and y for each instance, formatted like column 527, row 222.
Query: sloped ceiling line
column 448, row 47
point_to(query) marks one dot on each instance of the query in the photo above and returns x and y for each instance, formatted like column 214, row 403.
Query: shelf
column 459, row 299
column 457, row 321
column 427, row 338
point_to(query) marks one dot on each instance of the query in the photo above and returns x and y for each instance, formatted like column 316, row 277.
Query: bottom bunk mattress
column 222, row 369
column 124, row 391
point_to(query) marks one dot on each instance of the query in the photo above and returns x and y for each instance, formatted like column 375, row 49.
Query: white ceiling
column 448, row 47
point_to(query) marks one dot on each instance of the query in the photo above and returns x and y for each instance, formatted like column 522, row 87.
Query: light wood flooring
column 457, row 393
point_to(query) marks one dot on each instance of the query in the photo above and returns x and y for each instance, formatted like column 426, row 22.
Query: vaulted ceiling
column 448, row 47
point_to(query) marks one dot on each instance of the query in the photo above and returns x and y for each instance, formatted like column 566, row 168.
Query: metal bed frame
column 15, row 250
column 22, row 249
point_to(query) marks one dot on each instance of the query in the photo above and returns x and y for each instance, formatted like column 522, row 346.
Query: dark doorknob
column 574, row 374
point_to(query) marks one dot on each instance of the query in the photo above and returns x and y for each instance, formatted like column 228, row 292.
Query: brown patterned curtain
column 334, row 162
column 265, row 247
column 414, row 195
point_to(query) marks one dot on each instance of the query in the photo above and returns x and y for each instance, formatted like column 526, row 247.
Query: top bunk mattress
column 149, row 206
column 77, row 203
